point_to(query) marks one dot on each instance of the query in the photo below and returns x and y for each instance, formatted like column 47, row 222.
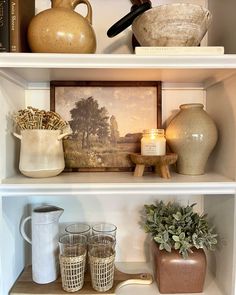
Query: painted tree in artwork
column 89, row 119
column 114, row 136
column 103, row 126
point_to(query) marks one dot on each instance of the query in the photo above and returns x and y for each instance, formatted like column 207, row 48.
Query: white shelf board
column 54, row 60
column 210, row 286
column 43, row 67
column 116, row 183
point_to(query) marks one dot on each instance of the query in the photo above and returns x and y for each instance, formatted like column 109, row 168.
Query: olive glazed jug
column 41, row 152
column 192, row 135
column 44, row 232
column 62, row 30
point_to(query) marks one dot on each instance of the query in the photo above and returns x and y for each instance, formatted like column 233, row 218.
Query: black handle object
column 127, row 20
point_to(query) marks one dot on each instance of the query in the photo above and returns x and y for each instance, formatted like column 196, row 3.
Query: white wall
column 12, row 98
column 13, row 249
column 222, row 30
column 221, row 262
column 123, row 211
column 221, row 105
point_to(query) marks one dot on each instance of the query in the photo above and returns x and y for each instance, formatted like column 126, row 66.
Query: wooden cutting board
column 25, row 286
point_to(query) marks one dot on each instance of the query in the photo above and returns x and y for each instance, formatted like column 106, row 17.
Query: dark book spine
column 21, row 13
column 14, row 23
column 4, row 26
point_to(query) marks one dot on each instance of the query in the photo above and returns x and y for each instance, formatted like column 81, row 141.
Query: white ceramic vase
column 44, row 232
column 41, row 153
column 192, row 135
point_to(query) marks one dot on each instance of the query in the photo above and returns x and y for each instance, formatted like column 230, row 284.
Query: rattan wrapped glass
column 101, row 259
column 73, row 249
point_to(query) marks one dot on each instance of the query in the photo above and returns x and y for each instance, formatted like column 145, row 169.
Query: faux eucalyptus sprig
column 173, row 226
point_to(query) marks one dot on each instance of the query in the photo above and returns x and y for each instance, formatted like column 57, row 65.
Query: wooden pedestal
column 161, row 163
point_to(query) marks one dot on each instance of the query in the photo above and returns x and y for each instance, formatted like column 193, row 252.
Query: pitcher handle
column 22, row 230
column 74, row 3
column 17, row 135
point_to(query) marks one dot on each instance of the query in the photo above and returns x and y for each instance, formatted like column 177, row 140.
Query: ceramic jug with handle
column 44, row 233
column 62, row 30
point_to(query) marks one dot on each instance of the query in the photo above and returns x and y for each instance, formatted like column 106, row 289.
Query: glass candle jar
column 153, row 142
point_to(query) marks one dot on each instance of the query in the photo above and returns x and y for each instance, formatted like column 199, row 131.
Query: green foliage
column 176, row 227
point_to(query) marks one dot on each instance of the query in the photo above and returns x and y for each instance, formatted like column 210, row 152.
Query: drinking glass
column 101, row 250
column 78, row 228
column 73, row 249
column 104, row 228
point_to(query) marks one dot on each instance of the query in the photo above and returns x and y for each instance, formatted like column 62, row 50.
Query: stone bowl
column 177, row 24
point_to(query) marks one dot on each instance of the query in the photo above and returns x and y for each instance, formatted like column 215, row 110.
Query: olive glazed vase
column 192, row 135
column 175, row 274
column 62, row 30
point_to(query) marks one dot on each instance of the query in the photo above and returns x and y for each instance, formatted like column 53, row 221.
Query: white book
column 191, row 50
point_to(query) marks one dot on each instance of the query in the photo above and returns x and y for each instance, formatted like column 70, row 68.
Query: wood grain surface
column 161, row 163
column 25, row 286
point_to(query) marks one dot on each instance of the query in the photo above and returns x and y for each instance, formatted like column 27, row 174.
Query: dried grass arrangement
column 32, row 118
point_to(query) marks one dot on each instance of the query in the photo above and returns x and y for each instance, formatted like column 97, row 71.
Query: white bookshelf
column 29, row 69
column 117, row 183
column 119, row 197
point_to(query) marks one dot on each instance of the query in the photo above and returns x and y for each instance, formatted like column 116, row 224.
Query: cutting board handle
column 137, row 279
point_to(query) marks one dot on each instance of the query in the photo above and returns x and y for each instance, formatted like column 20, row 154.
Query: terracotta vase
column 177, row 275
column 192, row 135
column 61, row 30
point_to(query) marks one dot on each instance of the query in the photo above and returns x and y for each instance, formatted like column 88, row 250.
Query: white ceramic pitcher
column 41, row 152
column 44, row 232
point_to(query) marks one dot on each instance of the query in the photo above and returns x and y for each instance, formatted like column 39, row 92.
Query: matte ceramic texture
column 41, row 153
column 177, row 24
column 44, row 232
column 62, row 30
column 177, row 275
column 192, row 135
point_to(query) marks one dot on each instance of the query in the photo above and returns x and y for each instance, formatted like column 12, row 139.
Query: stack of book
column 185, row 51
column 15, row 16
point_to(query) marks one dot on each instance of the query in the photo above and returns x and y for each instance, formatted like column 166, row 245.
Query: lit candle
column 153, row 142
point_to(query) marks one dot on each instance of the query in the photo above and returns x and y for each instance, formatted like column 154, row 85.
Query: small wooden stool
column 161, row 163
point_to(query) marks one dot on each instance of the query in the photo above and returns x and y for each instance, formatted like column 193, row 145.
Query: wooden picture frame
column 107, row 119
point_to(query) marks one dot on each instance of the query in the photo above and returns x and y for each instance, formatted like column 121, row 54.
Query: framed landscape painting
column 107, row 120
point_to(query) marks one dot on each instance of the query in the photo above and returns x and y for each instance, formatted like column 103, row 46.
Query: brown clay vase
column 175, row 274
column 62, row 30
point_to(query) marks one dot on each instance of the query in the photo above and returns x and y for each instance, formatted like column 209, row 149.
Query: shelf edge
column 93, row 189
